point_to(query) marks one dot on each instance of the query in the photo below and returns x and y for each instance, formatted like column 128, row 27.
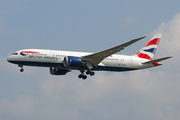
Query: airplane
column 62, row 62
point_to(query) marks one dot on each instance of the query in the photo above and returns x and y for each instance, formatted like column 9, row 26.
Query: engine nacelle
column 71, row 61
column 57, row 71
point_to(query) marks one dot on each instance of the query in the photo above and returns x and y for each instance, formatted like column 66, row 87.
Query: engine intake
column 57, row 71
column 71, row 61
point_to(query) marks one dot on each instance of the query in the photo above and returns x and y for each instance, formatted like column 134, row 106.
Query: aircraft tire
column 88, row 72
column 80, row 76
column 21, row 70
column 92, row 73
column 84, row 77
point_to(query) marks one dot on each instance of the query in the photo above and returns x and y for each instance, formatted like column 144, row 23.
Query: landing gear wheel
column 20, row 65
column 92, row 73
column 21, row 70
column 84, row 77
column 80, row 76
column 88, row 72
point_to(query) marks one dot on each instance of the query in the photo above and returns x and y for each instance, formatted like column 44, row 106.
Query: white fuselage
column 54, row 58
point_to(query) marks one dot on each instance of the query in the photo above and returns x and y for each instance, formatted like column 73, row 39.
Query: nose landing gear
column 21, row 70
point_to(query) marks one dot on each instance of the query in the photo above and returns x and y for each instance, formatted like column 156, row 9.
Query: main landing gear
column 83, row 76
column 21, row 70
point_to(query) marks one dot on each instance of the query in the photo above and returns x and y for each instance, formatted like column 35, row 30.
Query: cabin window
column 14, row 53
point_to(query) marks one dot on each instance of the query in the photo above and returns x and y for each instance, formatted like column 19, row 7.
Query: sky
column 89, row 26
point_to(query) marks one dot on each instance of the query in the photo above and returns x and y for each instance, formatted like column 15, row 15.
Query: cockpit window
column 14, row 53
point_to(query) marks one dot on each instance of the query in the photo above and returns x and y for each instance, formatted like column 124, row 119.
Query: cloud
column 170, row 114
column 22, row 106
column 169, row 45
column 170, row 39
column 95, row 88
column 154, row 88
column 149, row 86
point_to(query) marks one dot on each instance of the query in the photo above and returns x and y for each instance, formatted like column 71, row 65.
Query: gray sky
column 89, row 26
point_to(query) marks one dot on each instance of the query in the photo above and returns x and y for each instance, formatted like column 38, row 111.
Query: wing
column 96, row 58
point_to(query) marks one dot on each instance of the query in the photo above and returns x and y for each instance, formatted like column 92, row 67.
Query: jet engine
column 57, row 71
column 73, row 62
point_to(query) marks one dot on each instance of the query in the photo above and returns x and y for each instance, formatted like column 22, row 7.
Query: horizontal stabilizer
column 157, row 60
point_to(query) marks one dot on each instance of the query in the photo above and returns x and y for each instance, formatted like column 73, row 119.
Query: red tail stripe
column 153, row 42
column 145, row 56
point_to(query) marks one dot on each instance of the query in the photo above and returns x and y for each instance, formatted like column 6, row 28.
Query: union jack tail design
column 148, row 51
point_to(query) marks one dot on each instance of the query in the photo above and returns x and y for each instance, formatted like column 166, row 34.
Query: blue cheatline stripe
column 23, row 54
column 152, row 50
column 61, row 65
column 117, row 69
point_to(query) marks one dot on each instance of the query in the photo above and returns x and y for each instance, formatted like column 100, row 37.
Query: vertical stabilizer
column 148, row 51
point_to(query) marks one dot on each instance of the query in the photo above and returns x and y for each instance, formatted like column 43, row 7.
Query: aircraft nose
column 9, row 59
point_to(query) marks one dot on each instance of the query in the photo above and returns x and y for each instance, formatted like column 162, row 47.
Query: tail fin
column 148, row 51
